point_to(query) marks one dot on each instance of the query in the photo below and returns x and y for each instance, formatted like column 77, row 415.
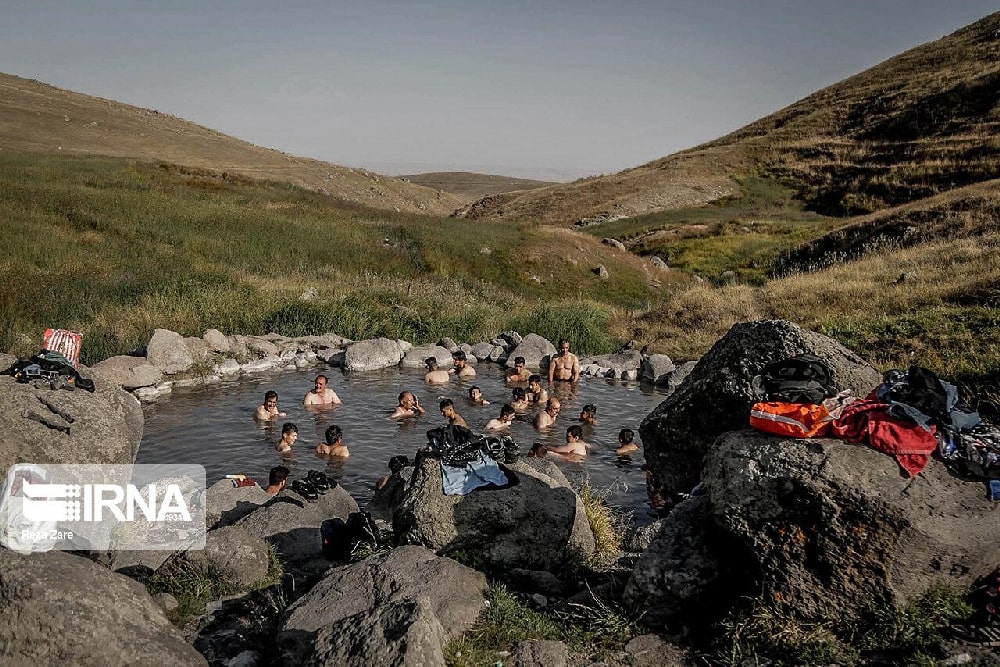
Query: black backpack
column 804, row 378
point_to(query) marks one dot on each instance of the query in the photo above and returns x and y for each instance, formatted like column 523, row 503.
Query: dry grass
column 470, row 187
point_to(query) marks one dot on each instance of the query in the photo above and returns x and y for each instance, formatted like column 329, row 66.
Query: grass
column 606, row 524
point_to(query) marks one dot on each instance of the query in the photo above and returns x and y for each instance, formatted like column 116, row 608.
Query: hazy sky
column 539, row 88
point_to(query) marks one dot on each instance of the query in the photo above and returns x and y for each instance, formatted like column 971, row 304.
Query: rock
column 331, row 356
column 601, row 272
column 228, row 367
column 482, row 350
column 216, row 341
column 309, row 294
column 658, row 263
column 166, row 601
column 717, row 395
column 677, row 377
column 511, row 338
column 453, row 595
column 496, row 354
column 834, row 527
column 197, row 348
column 261, row 347
column 292, row 523
column 371, row 355
column 448, row 344
column 57, row 608
column 325, row 340
column 539, row 581
column 540, row 653
column 238, row 347
column 261, row 365
column 680, row 577
column 651, row 651
column 138, row 563
column 536, row 524
column 535, row 351
column 7, row 360
column 233, row 553
column 166, row 350
column 44, row 425
column 614, row 243
column 655, row 368
column 622, row 361
column 415, row 357
column 727, row 277
column 129, row 372
column 639, row 538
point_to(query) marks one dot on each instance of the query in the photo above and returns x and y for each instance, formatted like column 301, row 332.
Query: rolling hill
column 471, row 186
column 41, row 119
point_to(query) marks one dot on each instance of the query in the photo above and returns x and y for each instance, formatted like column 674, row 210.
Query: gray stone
column 414, row 358
column 197, row 348
column 166, row 350
column 601, row 272
column 621, row 361
column 651, row 651
column 534, row 349
column 228, row 367
column 540, row 653
column 496, row 354
column 656, row 367
column 658, row 263
column 325, row 340
column 238, row 348
column 677, row 377
column 216, row 341
column 261, row 365
column 233, row 553
column 482, row 350
column 512, row 338
column 261, row 347
column 614, row 243
column 834, row 527
column 57, row 608
column 371, row 355
column 331, row 356
column 138, row 562
column 639, row 538
column 539, row 581
column 166, row 601
column 129, row 372
column 44, row 425
column 465, row 347
column 536, row 524
column 448, row 344
column 717, row 395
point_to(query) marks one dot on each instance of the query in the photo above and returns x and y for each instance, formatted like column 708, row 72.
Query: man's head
column 333, row 435
column 552, row 406
column 625, row 436
column 271, row 399
column 574, row 433
column 447, row 407
column 320, row 384
column 535, row 381
column 518, row 394
column 277, row 476
column 563, row 346
column 519, row 363
column 458, row 356
column 289, row 432
column 588, row 413
column 405, row 399
column 475, row 393
column 431, row 363
column 507, row 413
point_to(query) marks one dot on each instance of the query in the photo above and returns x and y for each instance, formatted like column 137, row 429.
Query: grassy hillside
column 115, row 248
column 469, row 186
column 41, row 119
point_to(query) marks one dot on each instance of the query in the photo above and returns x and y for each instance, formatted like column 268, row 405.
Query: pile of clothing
column 469, row 462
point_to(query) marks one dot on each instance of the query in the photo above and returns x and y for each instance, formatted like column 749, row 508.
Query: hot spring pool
column 214, row 426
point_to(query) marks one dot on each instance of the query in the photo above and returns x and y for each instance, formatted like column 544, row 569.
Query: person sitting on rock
column 334, row 445
column 276, row 480
column 289, row 434
column 448, row 410
column 519, row 399
column 269, row 410
column 462, row 368
column 625, row 444
column 505, row 419
column 535, row 392
column 321, row 394
column 575, row 448
column 409, row 406
column 547, row 417
column 434, row 374
column 518, row 373
column 476, row 396
column 588, row 415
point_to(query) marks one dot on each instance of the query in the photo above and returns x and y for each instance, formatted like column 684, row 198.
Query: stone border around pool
column 171, row 360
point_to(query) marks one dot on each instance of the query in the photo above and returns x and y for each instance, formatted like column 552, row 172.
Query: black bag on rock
column 804, row 378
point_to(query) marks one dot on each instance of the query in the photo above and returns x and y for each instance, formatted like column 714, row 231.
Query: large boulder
column 57, row 608
column 656, row 368
column 216, row 341
column 372, row 354
column 717, row 395
column 414, row 358
column 535, row 350
column 225, row 504
column 619, row 362
column 234, row 553
column 359, row 595
column 129, row 372
column 167, row 351
column 536, row 523
column 834, row 527
column 44, row 425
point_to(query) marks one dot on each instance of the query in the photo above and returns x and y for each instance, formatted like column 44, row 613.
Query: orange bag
column 66, row 343
column 796, row 420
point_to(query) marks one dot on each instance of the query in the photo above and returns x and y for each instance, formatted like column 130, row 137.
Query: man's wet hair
column 589, row 408
column 402, row 395
column 289, row 427
column 474, row 388
column 431, row 362
column 519, row 360
column 458, row 355
column 518, row 394
column 506, row 410
column 625, row 436
column 535, row 378
column 397, row 463
column 575, row 430
column 277, row 475
column 270, row 394
column 322, row 376
column 333, row 434
column 563, row 340
column 445, row 403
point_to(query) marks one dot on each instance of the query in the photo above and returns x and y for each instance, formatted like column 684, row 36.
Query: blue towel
column 480, row 472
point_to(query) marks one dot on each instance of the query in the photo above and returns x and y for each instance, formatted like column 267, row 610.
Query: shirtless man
column 575, row 448
column 625, row 444
column 588, row 415
column 518, row 373
column 289, row 434
column 334, row 445
column 547, row 417
column 276, row 480
column 476, row 396
column 462, row 368
column 564, row 366
column 505, row 419
column 519, row 399
column 434, row 374
column 535, row 393
column 409, row 406
column 320, row 394
column 269, row 410
column 449, row 412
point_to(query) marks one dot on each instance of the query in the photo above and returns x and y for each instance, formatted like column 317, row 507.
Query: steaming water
column 214, row 426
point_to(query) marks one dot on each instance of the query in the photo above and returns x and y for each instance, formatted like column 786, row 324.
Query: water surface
column 214, row 426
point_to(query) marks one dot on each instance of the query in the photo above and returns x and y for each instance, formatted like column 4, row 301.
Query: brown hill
column 471, row 186
column 918, row 124
column 38, row 118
